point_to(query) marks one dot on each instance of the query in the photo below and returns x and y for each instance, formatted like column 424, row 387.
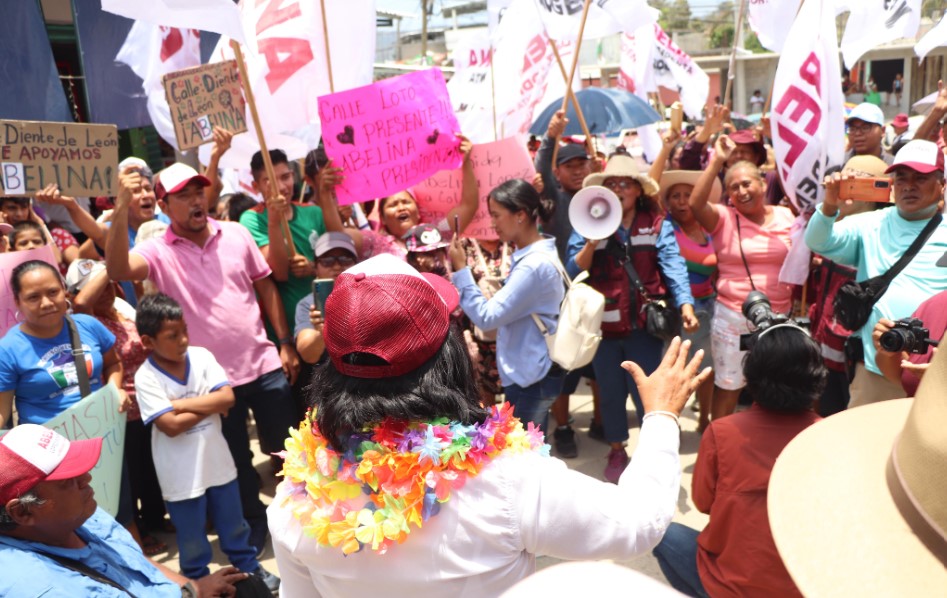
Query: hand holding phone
column 877, row 189
column 321, row 287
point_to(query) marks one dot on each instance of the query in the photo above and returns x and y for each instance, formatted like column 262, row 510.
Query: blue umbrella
column 606, row 111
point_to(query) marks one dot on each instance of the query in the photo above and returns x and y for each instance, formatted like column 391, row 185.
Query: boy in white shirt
column 184, row 391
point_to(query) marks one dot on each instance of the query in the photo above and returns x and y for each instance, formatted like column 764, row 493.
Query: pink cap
column 176, row 177
column 30, row 454
column 900, row 120
column 383, row 307
column 918, row 155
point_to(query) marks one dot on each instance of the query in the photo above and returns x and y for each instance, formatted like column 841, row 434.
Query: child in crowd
column 184, row 391
column 427, row 250
column 27, row 235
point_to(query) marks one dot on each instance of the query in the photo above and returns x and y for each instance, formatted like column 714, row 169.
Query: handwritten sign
column 493, row 163
column 390, row 135
column 81, row 159
column 204, row 97
column 9, row 261
column 93, row 417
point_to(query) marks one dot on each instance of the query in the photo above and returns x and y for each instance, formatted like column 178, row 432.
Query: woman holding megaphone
column 623, row 239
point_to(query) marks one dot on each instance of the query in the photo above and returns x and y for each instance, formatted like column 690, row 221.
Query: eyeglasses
column 860, row 128
column 619, row 184
column 342, row 260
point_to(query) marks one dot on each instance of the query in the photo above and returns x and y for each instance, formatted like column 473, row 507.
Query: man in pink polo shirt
column 215, row 271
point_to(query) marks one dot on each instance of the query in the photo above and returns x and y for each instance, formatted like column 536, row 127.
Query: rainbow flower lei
column 402, row 470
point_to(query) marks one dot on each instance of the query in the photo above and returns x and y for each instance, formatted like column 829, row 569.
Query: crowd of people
column 398, row 376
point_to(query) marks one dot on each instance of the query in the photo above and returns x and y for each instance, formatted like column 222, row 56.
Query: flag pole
column 493, row 94
column 571, row 95
column 575, row 64
column 325, row 39
column 733, row 54
column 267, row 162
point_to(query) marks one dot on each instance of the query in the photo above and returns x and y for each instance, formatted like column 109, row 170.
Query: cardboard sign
column 93, row 417
column 9, row 261
column 390, row 135
column 81, row 159
column 493, row 163
column 204, row 97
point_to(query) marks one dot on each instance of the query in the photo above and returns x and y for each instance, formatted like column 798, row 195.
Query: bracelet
column 285, row 341
column 671, row 414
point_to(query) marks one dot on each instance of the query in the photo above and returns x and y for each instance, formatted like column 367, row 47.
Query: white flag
column 562, row 18
column 674, row 69
column 473, row 50
column 219, row 16
column 636, row 75
column 934, row 38
column 153, row 51
column 808, row 114
column 770, row 20
column 495, row 10
column 872, row 23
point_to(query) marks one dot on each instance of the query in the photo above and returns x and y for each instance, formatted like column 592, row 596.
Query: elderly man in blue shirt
column 872, row 242
column 55, row 541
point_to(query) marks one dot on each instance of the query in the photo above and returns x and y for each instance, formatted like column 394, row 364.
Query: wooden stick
column 571, row 95
column 267, row 162
column 733, row 54
column 325, row 39
column 575, row 64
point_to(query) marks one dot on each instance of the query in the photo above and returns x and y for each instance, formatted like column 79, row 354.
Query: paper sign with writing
column 204, row 97
column 390, row 135
column 81, row 159
column 9, row 261
column 493, row 163
column 97, row 416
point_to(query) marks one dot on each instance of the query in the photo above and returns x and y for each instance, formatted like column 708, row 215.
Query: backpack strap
column 568, row 283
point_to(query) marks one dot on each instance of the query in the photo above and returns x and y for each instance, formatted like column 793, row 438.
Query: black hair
column 316, row 160
column 516, row 195
column 25, row 226
column 25, row 268
column 257, row 168
column 785, row 371
column 153, row 311
column 22, row 201
column 238, row 204
column 445, row 386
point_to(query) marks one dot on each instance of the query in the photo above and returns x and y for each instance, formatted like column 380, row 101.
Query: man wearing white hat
column 866, row 129
column 873, row 242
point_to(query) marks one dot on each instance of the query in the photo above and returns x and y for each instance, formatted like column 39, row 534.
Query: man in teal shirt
column 872, row 242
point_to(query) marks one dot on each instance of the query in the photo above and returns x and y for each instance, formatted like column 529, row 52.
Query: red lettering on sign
column 274, row 14
column 534, row 52
column 804, row 103
column 796, row 145
column 810, row 71
column 171, row 42
column 284, row 56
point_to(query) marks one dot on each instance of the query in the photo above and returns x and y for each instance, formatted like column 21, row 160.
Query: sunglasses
column 619, row 184
column 342, row 260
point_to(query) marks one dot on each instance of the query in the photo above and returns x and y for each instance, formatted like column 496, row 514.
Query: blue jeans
column 190, row 518
column 272, row 402
column 532, row 403
column 677, row 556
column 614, row 383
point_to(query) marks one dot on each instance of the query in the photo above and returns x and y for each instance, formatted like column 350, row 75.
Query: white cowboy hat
column 623, row 166
column 687, row 177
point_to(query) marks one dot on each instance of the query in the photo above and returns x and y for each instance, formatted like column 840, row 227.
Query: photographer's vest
column 608, row 276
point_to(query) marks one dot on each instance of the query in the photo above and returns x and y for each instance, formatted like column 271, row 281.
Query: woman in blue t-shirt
column 37, row 368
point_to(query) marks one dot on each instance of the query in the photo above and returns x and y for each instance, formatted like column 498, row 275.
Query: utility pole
column 424, row 31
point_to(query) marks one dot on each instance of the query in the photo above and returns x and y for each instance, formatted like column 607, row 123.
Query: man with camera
column 904, row 348
column 875, row 243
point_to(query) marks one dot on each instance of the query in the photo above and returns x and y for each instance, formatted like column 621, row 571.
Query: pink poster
column 9, row 261
column 493, row 163
column 390, row 135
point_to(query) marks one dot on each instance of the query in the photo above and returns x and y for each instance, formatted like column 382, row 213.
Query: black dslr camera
column 758, row 310
column 908, row 335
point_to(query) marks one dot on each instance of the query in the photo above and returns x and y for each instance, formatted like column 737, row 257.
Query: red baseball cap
column 747, row 137
column 176, row 177
column 384, row 308
column 920, row 156
column 30, row 454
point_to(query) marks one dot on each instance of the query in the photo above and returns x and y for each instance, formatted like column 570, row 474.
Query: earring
column 16, row 316
column 520, row 221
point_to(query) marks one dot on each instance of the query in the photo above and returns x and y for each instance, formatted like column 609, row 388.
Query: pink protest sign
column 9, row 261
column 390, row 135
column 493, row 163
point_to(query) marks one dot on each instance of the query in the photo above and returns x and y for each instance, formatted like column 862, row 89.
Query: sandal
column 152, row 546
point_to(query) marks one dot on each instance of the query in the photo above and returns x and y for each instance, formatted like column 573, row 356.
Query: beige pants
column 869, row 387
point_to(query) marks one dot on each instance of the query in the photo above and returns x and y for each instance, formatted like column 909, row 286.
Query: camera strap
column 78, row 355
column 743, row 255
column 905, row 259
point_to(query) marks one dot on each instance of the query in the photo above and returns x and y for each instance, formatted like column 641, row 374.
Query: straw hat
column 686, row 177
column 623, row 166
column 871, row 518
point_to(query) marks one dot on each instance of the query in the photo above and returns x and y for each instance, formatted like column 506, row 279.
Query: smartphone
column 677, row 116
column 876, row 189
column 321, row 287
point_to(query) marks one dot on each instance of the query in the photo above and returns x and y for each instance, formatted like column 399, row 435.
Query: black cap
column 571, row 152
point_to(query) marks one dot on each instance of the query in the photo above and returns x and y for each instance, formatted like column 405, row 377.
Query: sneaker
column 617, row 462
column 564, row 438
column 269, row 580
column 596, row 431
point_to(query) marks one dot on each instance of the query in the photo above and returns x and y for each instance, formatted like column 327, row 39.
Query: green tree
column 678, row 15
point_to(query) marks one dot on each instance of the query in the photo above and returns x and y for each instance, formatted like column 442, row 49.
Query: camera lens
column 897, row 340
column 756, row 308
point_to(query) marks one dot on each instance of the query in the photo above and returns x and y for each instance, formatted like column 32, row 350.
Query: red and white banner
column 152, row 51
column 219, row 16
column 562, row 18
column 872, row 23
column 636, row 75
column 934, row 38
column 770, row 20
column 808, row 117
